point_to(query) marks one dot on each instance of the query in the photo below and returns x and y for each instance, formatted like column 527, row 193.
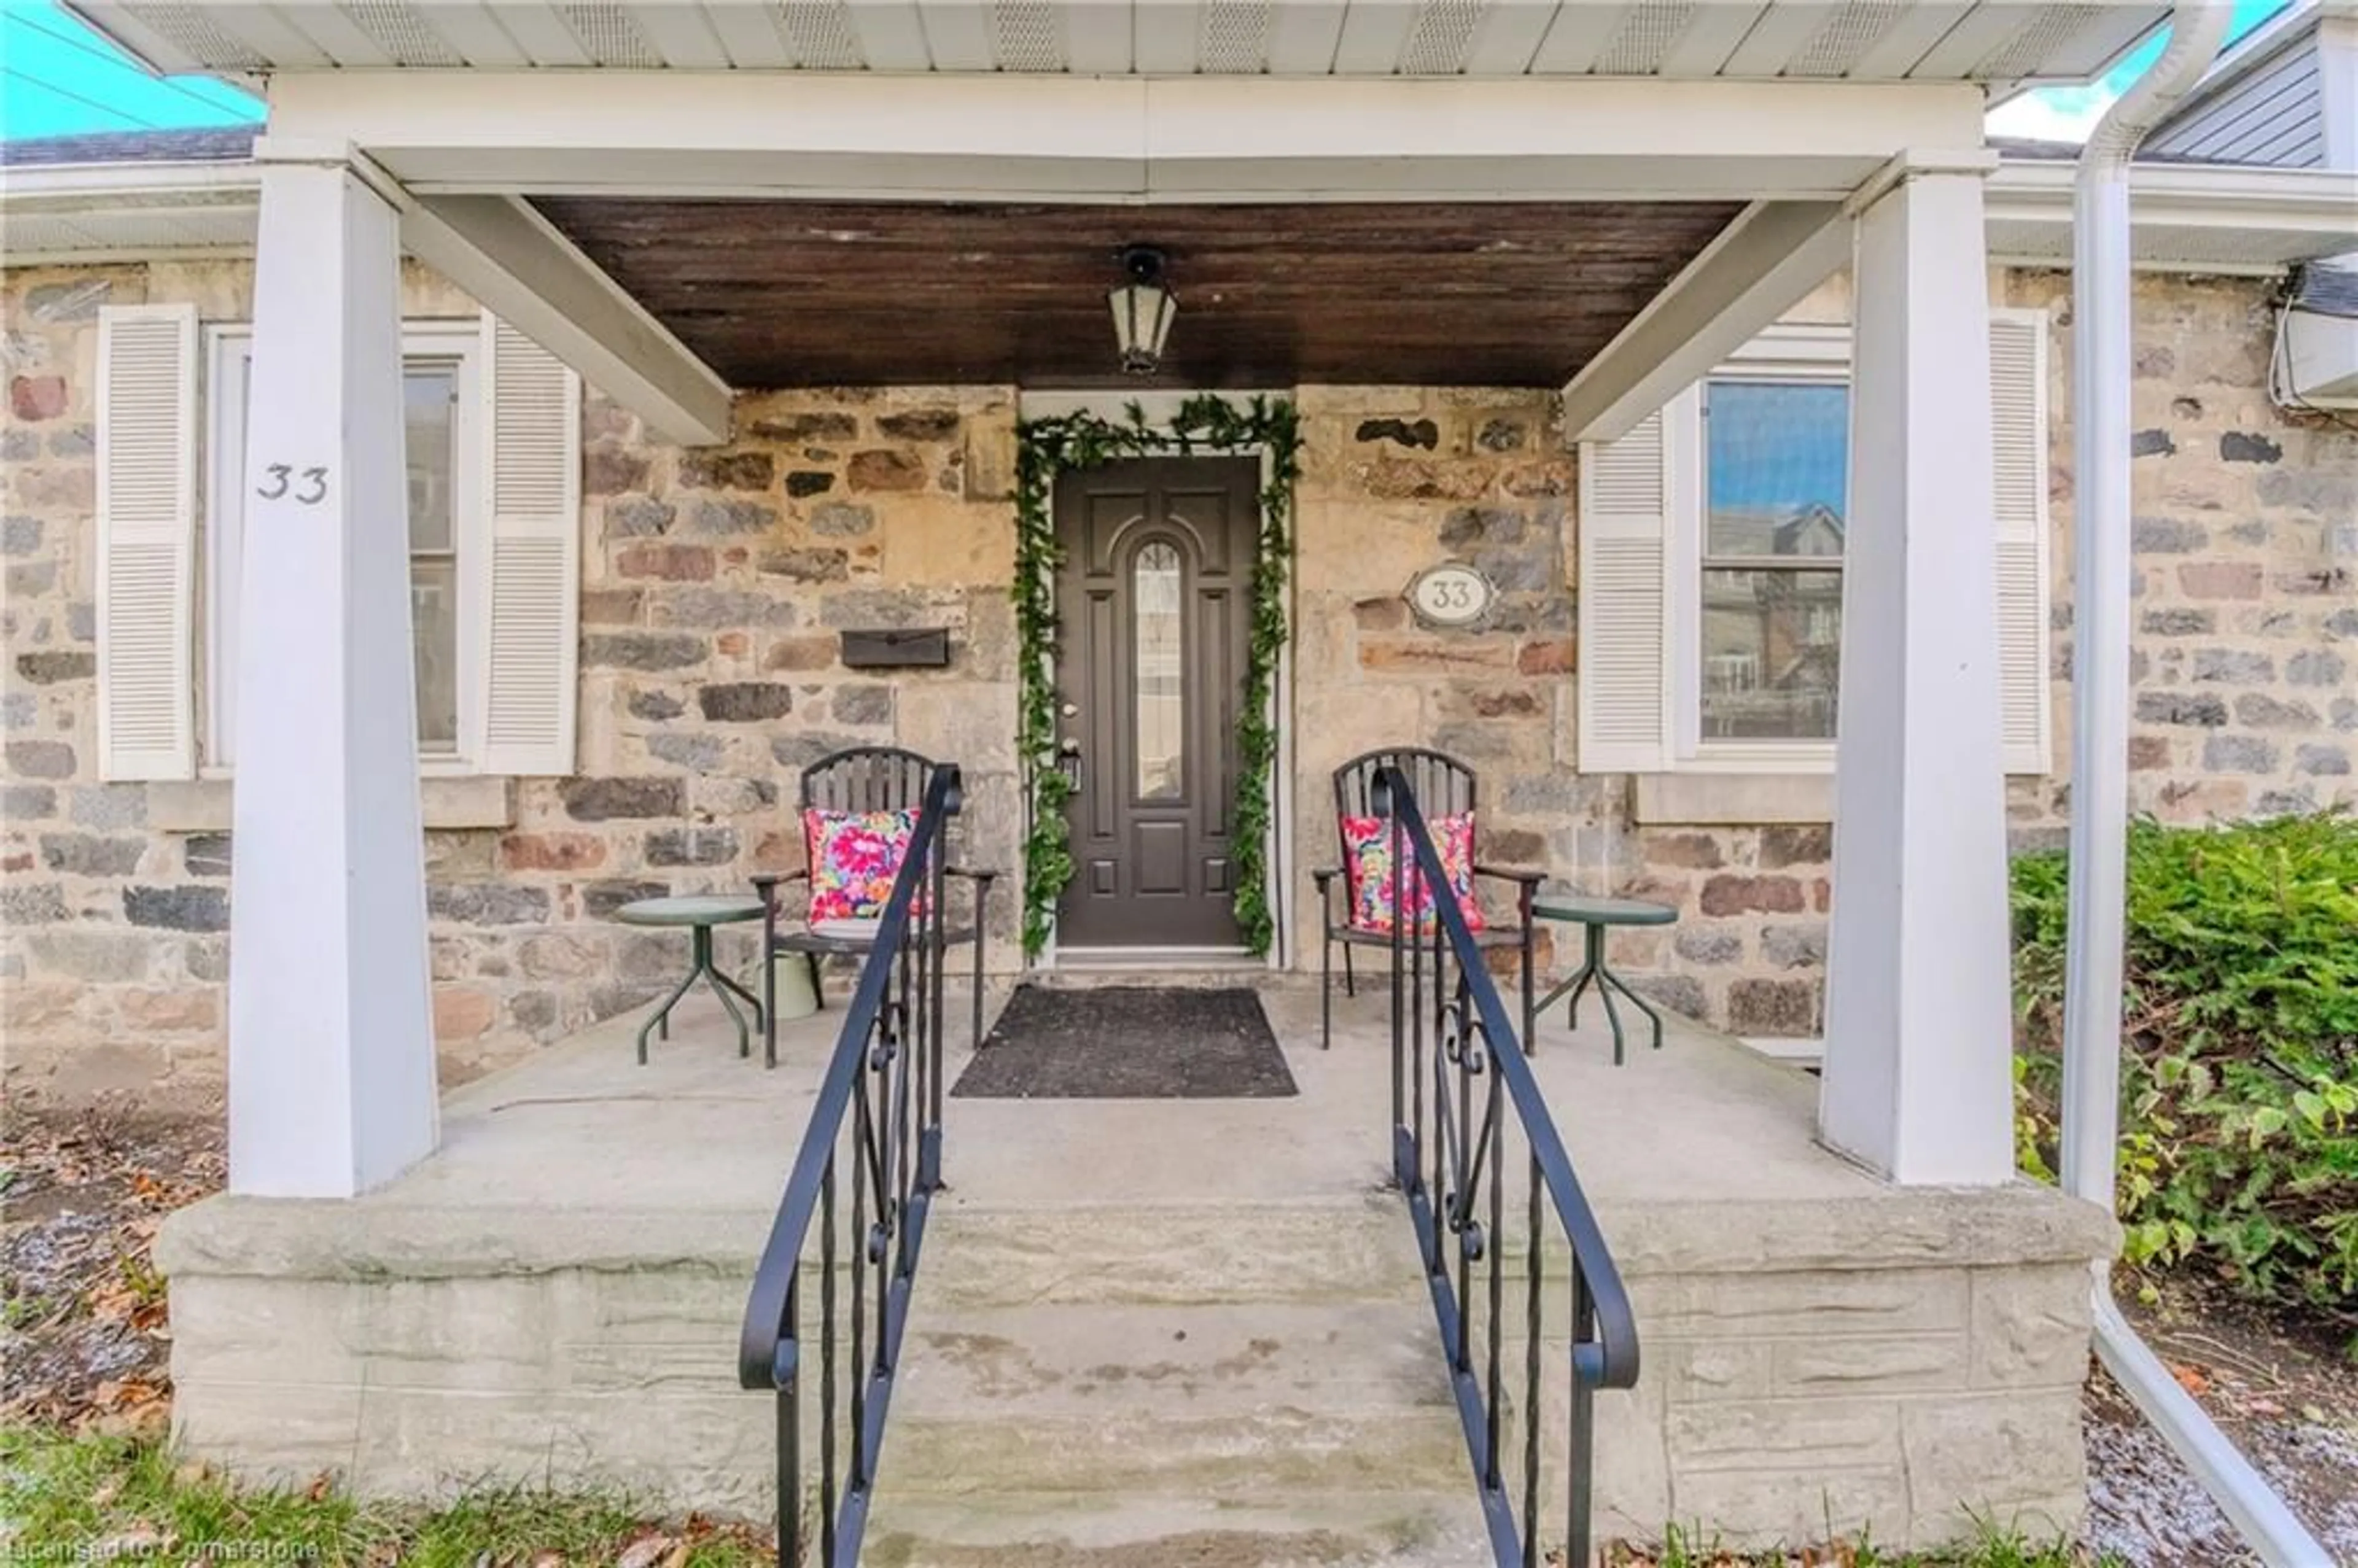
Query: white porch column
column 1918, row 1083
column 332, row 1086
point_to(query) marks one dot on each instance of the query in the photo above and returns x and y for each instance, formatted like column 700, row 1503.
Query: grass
column 1994, row 1548
column 68, row 1497
column 64, row 1497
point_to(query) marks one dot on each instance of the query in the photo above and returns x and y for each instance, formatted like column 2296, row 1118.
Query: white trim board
column 1799, row 1050
column 1120, row 140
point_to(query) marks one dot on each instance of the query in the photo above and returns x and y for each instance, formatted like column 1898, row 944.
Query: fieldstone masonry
column 1395, row 479
column 2247, row 538
column 2245, row 673
column 716, row 585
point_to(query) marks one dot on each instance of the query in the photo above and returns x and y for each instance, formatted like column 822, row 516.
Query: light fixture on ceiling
column 1143, row 309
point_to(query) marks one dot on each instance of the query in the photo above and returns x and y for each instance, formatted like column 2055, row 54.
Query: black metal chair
column 1444, row 787
column 859, row 778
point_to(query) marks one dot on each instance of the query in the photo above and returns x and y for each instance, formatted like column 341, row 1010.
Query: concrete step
column 1237, row 1459
column 1092, row 1361
column 1102, row 1250
column 1100, row 1386
column 1382, row 1530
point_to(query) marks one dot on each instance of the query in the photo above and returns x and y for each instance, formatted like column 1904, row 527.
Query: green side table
column 699, row 913
column 1593, row 916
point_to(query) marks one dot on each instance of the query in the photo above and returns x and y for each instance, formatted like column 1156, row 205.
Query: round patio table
column 699, row 913
column 1593, row 916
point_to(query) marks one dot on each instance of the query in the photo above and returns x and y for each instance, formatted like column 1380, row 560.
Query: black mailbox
column 913, row 647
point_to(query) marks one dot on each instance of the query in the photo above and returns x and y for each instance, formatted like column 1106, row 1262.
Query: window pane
column 1161, row 719
column 434, row 621
column 429, row 400
column 1769, row 643
column 1777, row 454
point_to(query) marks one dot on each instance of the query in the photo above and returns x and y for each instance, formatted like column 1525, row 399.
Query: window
column 1712, row 541
column 1161, row 696
column 1769, row 619
column 429, row 408
column 441, row 396
column 492, row 427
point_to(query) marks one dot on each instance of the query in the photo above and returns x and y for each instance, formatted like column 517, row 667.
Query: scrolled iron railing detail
column 1461, row 1093
column 875, row 1128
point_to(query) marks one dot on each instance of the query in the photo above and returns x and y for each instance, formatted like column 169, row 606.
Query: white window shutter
column 1624, row 686
column 146, row 541
column 533, row 458
column 2018, row 426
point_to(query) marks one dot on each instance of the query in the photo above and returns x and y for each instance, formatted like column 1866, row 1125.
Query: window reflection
column 429, row 404
column 1778, row 455
column 1160, row 699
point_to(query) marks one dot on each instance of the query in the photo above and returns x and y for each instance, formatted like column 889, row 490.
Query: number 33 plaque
column 1450, row 595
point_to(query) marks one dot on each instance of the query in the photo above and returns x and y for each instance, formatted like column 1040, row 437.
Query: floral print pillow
column 1367, row 863
column 854, row 855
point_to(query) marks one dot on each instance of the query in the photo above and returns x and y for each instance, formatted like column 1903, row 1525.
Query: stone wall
column 112, row 948
column 2245, row 667
column 715, row 585
column 2244, row 670
column 1395, row 479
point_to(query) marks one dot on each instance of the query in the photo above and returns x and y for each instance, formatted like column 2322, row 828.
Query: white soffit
column 117, row 213
column 1998, row 41
column 2203, row 218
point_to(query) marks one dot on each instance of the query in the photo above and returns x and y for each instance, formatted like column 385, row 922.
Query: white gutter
column 2100, row 693
column 97, row 183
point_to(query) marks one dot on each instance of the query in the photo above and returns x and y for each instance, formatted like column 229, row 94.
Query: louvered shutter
column 2018, row 427
column 146, row 541
column 534, row 462
column 1625, row 500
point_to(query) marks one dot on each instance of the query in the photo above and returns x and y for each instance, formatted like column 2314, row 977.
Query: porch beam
column 520, row 269
column 515, row 264
column 1120, row 140
column 1916, row 1080
column 332, row 1079
column 1762, row 266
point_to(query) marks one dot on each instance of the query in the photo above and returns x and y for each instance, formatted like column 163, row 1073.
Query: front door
column 1155, row 607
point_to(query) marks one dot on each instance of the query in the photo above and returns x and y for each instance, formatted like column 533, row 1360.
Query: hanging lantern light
column 1143, row 309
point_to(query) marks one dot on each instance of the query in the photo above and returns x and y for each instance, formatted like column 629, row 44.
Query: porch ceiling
column 1929, row 40
column 817, row 294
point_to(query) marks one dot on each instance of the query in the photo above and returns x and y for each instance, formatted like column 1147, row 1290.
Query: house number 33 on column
column 309, row 487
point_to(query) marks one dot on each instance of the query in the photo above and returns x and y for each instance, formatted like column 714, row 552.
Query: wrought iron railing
column 1463, row 1102
column 864, row 1179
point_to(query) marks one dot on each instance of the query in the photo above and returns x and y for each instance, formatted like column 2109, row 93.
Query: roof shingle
column 211, row 143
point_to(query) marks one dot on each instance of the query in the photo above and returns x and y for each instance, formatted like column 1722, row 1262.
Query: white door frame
column 1160, row 407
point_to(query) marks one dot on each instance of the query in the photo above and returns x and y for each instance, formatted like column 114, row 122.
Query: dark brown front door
column 1154, row 602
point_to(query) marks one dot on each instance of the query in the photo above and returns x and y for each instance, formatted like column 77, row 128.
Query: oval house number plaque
column 1450, row 595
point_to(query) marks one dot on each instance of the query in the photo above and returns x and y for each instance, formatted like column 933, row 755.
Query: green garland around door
column 1046, row 447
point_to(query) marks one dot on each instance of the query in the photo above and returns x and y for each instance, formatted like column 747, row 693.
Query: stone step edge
column 340, row 1238
column 1092, row 1520
column 336, row 1239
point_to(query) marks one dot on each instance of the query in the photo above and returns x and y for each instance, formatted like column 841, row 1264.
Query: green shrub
column 2239, row 1147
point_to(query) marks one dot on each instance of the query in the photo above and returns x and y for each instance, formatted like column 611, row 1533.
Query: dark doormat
column 1128, row 1042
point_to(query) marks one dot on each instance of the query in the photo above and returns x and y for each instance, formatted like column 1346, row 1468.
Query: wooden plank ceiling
column 825, row 294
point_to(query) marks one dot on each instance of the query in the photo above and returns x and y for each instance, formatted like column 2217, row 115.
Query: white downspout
column 2100, row 695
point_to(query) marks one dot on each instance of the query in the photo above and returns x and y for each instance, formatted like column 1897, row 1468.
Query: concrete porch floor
column 556, row 1294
